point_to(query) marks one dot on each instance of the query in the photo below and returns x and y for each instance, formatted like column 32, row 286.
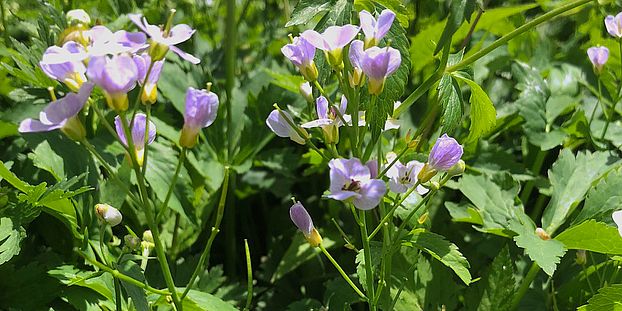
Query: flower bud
column 309, row 72
column 434, row 185
column 301, row 218
column 331, row 134
column 457, row 169
column 581, row 258
column 426, row 173
column 108, row 214
column 147, row 236
column 306, row 92
column 542, row 234
column 132, row 242
column 423, row 218
column 78, row 16
column 356, row 77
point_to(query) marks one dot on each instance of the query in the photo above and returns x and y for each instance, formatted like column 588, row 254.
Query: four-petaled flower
column 598, row 56
column 377, row 64
column 102, row 41
column 328, row 118
column 201, row 109
column 300, row 217
column 301, row 53
column 403, row 177
column 65, row 64
column 116, row 75
column 150, row 88
column 277, row 121
column 165, row 39
column 332, row 41
column 614, row 25
column 373, row 29
column 351, row 181
column 138, row 127
column 61, row 114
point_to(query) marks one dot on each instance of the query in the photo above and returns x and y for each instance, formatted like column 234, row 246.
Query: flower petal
column 371, row 192
column 189, row 57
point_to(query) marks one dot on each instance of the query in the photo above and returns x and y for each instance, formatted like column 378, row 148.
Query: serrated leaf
column 306, row 10
column 570, row 179
column 603, row 199
column 450, row 99
column 546, row 253
column 499, row 285
column 10, row 237
column 483, row 113
column 607, row 299
column 442, row 250
column 139, row 298
column 398, row 7
column 339, row 295
column 376, row 252
column 592, row 236
column 459, row 11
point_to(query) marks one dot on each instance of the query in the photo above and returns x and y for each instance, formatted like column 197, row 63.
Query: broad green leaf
column 571, row 177
column 304, row 305
column 546, row 253
column 173, row 84
column 376, row 253
column 139, row 298
column 10, row 237
column 306, row 10
column 287, row 81
column 339, row 295
column 592, row 236
column 494, row 199
column 450, row 99
column 297, row 254
column 70, row 275
column 499, row 285
column 46, row 159
column 200, row 301
column 608, row 299
column 603, row 199
column 459, row 11
column 464, row 213
column 483, row 113
column 442, row 250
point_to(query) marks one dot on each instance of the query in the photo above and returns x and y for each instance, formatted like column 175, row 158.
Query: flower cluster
column 599, row 55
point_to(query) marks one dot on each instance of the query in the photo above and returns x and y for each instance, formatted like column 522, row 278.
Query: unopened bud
column 331, row 133
column 581, row 258
column 356, row 77
column 314, row 239
column 542, row 234
column 309, row 72
column 108, row 214
column 78, row 16
column 426, row 173
column 132, row 242
column 306, row 91
column 457, row 169
column 423, row 218
column 147, row 236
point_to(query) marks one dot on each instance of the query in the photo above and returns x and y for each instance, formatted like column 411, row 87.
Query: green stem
column 166, row 271
column 613, row 108
column 302, row 134
column 600, row 102
column 118, row 275
column 343, row 274
column 215, row 229
column 368, row 263
column 230, row 57
column 397, row 158
column 522, row 290
column 394, row 208
column 102, row 247
column 5, row 29
column 169, row 193
column 350, row 127
column 117, row 294
column 249, row 278
column 146, row 139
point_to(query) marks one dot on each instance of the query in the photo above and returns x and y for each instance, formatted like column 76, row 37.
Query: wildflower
column 61, row 114
column 356, row 78
column 379, row 63
column 332, row 41
column 617, row 218
column 108, row 214
column 280, row 122
column 373, row 29
column 150, row 88
column 598, row 56
column 300, row 217
column 201, row 109
column 77, row 22
column 164, row 39
column 306, row 91
column 614, row 25
column 65, row 64
column 301, row 53
column 328, row 118
column 351, row 181
column 403, row 177
column 116, row 75
column 102, row 41
column 138, row 134
column 443, row 156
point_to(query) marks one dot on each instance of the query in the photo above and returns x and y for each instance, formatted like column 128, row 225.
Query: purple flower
column 65, row 64
column 356, row 55
column 116, row 75
column 445, row 153
column 281, row 127
column 598, row 56
column 351, row 181
column 378, row 64
column 614, row 25
column 138, row 127
column 328, row 118
column 306, row 91
column 332, row 41
column 61, row 114
column 102, row 41
column 403, row 177
column 150, row 89
column 375, row 30
column 165, row 39
column 372, row 165
column 301, row 53
column 201, row 109
column 300, row 217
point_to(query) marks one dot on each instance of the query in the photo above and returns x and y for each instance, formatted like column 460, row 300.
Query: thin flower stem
column 587, row 278
column 166, row 271
column 399, row 291
column 397, row 158
column 522, row 290
column 343, row 274
column 600, row 102
column 171, row 187
column 369, row 273
column 394, row 208
column 107, row 125
column 249, row 276
column 118, row 275
column 102, row 247
column 204, row 259
column 302, row 134
column 230, row 59
column 142, row 89
column 338, row 113
column 613, row 107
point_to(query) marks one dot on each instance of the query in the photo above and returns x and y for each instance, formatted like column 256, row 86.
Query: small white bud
column 78, row 16
column 108, row 214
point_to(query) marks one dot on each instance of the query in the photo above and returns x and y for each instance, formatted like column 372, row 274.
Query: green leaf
column 464, row 213
column 305, row 10
column 398, row 7
column 603, row 199
column 459, row 11
column 608, row 299
column 546, row 253
column 304, row 305
column 339, row 295
column 450, row 99
column 483, row 113
column 10, row 238
column 442, row 250
column 286, row 81
column 70, row 275
column 139, row 298
column 376, row 252
column 298, row 253
column 499, row 285
column 570, row 179
column 592, row 236
column 201, row 301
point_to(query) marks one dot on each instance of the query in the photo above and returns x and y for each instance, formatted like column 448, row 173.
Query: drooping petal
column 138, row 20
column 317, row 123
column 277, row 124
column 31, row 126
column 341, row 195
column 179, row 33
column 301, row 218
column 189, row 57
column 371, row 193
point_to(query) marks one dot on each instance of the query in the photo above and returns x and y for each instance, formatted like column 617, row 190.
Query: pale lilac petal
column 372, row 165
column 131, row 40
column 321, row 104
column 156, row 70
column 60, row 110
column 598, row 56
column 300, row 52
column 445, row 153
column 336, row 37
column 385, row 20
column 368, row 23
column 114, row 75
column 138, row 20
column 317, row 123
column 343, row 106
column 395, row 59
column 397, row 187
column 277, row 124
column 315, row 39
column 31, row 126
column 138, row 130
column 201, row 108
column 301, row 218
column 356, row 53
column 343, row 195
column 191, row 58
column 119, row 129
column 179, row 33
column 371, row 192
